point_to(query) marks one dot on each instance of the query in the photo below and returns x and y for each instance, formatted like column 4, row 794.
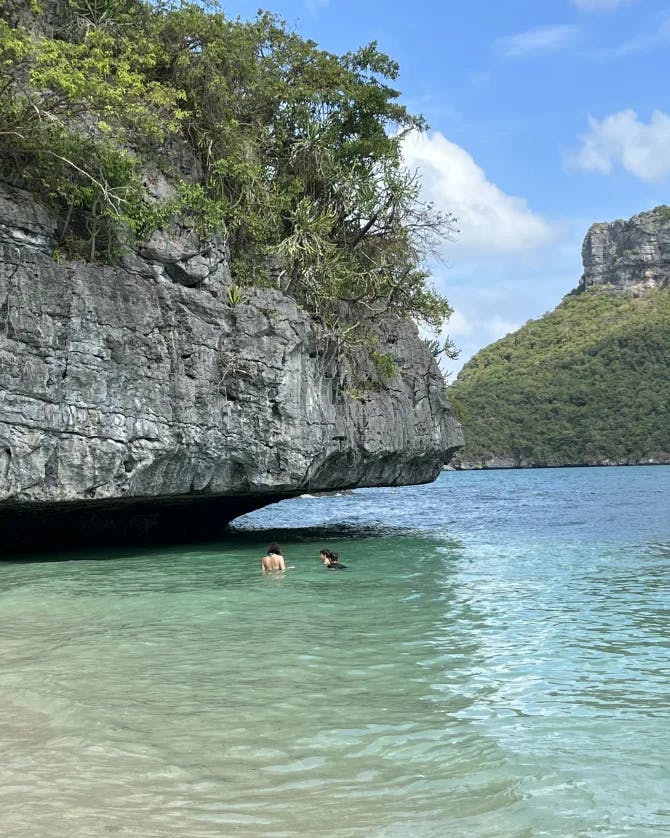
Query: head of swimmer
column 274, row 549
column 328, row 557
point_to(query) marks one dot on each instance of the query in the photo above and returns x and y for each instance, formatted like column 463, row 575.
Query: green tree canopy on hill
column 297, row 151
column 587, row 383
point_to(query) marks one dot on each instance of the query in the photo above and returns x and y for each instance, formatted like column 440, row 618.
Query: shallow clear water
column 495, row 661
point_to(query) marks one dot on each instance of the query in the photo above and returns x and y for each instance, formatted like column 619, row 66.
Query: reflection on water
column 474, row 672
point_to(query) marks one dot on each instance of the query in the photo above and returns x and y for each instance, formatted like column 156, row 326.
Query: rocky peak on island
column 631, row 255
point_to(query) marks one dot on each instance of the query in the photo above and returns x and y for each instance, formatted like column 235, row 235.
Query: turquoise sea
column 495, row 661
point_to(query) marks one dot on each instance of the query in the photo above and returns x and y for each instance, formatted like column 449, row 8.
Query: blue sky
column 545, row 115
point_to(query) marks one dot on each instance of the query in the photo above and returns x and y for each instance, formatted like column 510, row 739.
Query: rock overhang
column 128, row 396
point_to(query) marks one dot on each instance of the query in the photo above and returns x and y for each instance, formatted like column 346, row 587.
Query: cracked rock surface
column 631, row 255
column 138, row 402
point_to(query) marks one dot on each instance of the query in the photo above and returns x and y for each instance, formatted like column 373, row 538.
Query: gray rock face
column 629, row 255
column 135, row 402
column 48, row 18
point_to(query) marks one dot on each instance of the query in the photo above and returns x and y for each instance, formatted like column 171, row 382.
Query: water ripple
column 482, row 668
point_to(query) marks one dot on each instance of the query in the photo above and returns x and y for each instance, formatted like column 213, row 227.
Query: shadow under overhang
column 27, row 527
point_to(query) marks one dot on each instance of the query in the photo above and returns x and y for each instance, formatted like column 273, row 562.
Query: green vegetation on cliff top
column 587, row 383
column 289, row 152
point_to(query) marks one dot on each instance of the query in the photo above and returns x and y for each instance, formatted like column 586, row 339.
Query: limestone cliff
column 144, row 400
column 628, row 255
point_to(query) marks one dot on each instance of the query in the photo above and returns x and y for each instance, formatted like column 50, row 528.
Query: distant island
column 589, row 382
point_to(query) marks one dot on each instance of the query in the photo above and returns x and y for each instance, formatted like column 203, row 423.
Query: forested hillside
column 587, row 383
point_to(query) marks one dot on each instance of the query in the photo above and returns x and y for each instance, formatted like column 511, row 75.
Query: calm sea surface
column 494, row 661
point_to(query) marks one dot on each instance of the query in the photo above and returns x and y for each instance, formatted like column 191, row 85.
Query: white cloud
column 489, row 220
column 599, row 5
column 621, row 139
column 482, row 325
column 460, row 326
column 538, row 41
column 505, row 265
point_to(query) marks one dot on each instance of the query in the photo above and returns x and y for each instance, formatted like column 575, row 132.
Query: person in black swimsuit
column 331, row 560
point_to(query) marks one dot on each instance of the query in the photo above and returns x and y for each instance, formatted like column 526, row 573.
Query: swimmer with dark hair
column 335, row 563
column 273, row 561
column 331, row 560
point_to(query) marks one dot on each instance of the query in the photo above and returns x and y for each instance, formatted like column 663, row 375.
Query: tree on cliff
column 296, row 152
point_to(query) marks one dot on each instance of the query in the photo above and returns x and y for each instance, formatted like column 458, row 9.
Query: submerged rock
column 144, row 401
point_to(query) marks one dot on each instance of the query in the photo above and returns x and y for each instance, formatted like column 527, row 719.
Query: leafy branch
column 296, row 152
